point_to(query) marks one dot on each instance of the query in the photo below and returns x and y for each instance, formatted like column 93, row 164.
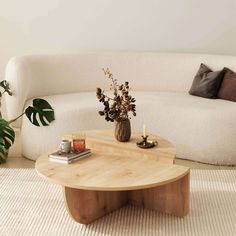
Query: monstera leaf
column 41, row 113
column 3, row 152
column 7, row 137
column 5, row 85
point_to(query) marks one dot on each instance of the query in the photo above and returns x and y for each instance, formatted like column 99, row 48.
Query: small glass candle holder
column 78, row 142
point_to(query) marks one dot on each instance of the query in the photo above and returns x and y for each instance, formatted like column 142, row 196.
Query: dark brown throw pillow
column 206, row 82
column 228, row 86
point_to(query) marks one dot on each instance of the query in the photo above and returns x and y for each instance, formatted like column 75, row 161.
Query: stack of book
column 67, row 158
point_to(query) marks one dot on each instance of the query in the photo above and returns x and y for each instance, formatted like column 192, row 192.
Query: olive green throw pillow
column 206, row 82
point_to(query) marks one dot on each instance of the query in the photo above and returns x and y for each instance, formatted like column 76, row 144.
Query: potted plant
column 117, row 108
column 40, row 108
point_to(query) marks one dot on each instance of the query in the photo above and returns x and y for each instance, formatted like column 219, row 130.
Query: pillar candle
column 144, row 130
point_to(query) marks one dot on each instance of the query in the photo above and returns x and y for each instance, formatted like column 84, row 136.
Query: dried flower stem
column 116, row 108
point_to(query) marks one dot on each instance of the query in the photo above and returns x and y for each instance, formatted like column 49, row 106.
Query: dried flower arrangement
column 118, row 107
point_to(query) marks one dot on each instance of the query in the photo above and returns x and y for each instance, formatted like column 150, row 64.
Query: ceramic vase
column 123, row 130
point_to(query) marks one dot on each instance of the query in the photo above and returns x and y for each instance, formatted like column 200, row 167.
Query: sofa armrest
column 45, row 75
column 18, row 75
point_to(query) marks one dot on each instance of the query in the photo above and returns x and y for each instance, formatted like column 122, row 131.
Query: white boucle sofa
column 201, row 129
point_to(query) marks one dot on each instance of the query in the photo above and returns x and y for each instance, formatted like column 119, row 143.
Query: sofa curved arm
column 18, row 76
column 36, row 76
column 44, row 75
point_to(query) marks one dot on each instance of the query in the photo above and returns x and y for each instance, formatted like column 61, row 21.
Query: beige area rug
column 29, row 205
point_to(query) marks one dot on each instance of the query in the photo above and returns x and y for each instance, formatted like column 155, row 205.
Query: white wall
column 70, row 26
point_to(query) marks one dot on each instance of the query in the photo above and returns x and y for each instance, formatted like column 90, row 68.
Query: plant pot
column 123, row 130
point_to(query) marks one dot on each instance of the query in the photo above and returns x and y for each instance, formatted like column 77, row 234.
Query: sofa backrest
column 42, row 75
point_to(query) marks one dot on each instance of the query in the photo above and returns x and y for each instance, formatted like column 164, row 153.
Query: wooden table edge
column 127, row 188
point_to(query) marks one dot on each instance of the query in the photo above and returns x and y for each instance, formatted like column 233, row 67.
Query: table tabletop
column 115, row 166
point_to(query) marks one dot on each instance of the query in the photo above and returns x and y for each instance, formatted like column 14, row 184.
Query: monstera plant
column 40, row 114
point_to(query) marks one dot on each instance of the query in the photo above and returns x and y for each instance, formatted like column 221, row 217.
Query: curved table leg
column 86, row 206
column 172, row 198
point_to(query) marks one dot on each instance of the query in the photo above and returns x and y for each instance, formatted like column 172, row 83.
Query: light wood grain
column 86, row 206
column 172, row 198
column 120, row 173
column 115, row 166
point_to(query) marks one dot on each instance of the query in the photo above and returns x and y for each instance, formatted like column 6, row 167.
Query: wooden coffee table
column 117, row 174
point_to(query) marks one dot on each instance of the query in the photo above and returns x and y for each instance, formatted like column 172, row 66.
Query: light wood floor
column 15, row 160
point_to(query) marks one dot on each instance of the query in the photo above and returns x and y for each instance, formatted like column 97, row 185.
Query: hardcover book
column 68, row 161
column 68, row 156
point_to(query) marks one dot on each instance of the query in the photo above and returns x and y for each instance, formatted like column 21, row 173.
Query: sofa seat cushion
column 73, row 112
column 201, row 129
